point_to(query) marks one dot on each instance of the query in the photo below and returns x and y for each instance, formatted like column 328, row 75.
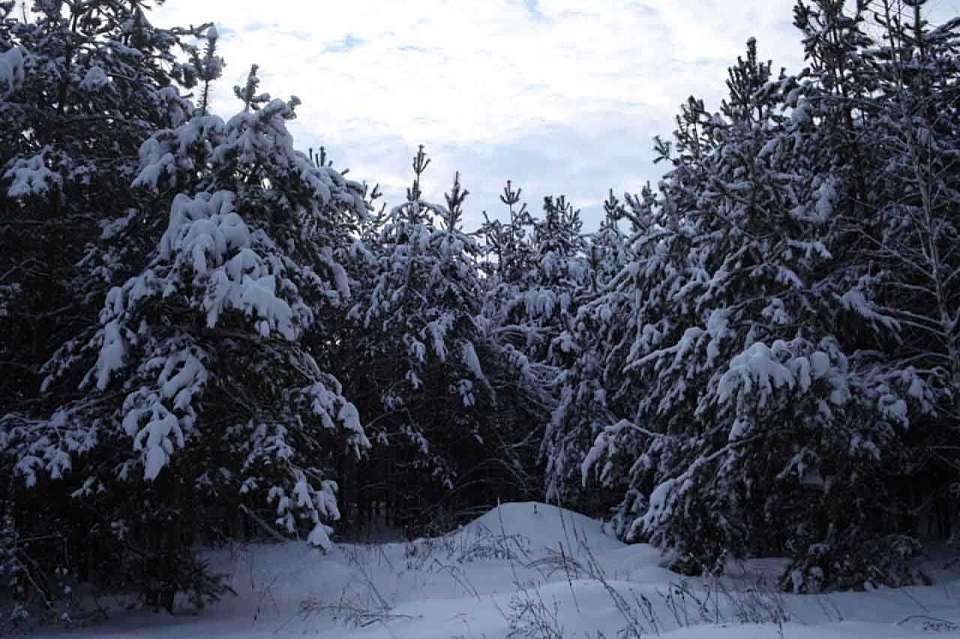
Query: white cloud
column 558, row 95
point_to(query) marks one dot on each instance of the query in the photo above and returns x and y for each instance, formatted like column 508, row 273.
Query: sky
column 559, row 96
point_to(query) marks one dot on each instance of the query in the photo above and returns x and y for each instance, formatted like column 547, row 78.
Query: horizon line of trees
column 208, row 335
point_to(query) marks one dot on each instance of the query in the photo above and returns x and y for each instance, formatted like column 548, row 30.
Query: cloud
column 533, row 8
column 561, row 96
column 347, row 43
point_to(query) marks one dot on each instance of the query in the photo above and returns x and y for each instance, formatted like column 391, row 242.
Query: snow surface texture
column 525, row 570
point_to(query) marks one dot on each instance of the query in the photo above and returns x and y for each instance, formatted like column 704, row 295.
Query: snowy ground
column 524, row 570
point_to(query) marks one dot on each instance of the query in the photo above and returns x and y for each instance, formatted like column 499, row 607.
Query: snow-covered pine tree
column 507, row 244
column 511, row 268
column 752, row 430
column 889, row 237
column 541, row 271
column 549, row 300
column 909, row 257
column 205, row 380
column 545, row 270
column 590, row 390
column 606, row 249
column 82, row 85
column 417, row 360
column 524, row 381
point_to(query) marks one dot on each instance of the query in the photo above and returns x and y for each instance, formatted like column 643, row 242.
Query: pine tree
column 606, row 250
column 910, row 255
column 204, row 381
column 82, row 86
column 195, row 316
column 541, row 271
column 418, row 357
column 752, row 422
column 89, row 81
column 508, row 244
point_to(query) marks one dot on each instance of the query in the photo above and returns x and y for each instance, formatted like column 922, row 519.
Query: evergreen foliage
column 210, row 335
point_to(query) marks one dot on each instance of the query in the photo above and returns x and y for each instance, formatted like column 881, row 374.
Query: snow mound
column 543, row 526
column 522, row 570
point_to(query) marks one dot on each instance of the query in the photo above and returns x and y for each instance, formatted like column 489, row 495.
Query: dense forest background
column 208, row 334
